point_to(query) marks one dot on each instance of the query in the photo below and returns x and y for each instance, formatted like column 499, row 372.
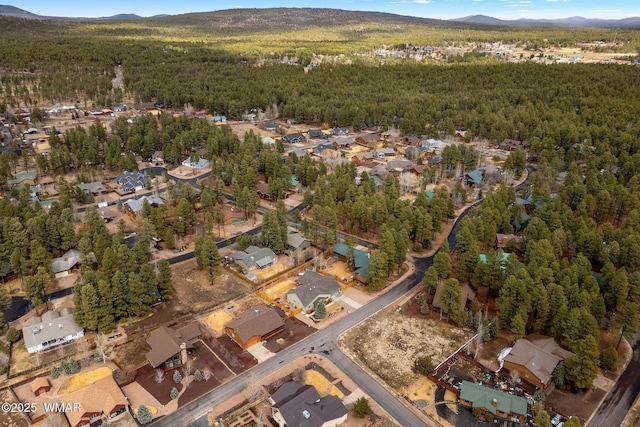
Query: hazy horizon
column 437, row 9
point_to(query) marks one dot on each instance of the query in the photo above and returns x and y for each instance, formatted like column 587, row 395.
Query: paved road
column 617, row 403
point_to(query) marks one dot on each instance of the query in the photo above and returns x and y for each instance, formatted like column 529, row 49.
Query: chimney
column 494, row 402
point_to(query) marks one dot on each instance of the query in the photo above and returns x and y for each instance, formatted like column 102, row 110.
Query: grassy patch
column 84, row 379
column 321, row 384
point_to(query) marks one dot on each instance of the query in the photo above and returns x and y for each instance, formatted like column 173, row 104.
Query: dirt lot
column 10, row 419
column 294, row 331
column 193, row 290
column 389, row 342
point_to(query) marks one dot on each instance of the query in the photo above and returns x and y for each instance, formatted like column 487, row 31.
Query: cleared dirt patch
column 294, row 331
column 217, row 320
column 389, row 342
column 193, row 290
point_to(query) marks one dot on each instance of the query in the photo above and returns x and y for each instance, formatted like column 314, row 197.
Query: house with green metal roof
column 504, row 257
column 360, row 259
column 503, row 405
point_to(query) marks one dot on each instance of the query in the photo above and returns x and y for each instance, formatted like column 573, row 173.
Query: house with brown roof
column 103, row 398
column 535, row 357
column 40, row 385
column 369, row 139
column 468, row 295
column 169, row 346
column 255, row 325
column 502, row 240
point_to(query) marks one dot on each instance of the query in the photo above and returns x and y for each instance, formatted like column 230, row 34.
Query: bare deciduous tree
column 186, row 370
column 103, row 352
column 159, row 376
column 206, row 374
column 253, row 388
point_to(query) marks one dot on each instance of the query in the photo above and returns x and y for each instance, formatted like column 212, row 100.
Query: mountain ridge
column 573, row 21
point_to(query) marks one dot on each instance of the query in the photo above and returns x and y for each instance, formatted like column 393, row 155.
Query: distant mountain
column 574, row 21
column 122, row 16
column 8, row 10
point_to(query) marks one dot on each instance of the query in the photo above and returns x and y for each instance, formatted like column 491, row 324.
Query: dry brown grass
column 83, row 379
column 217, row 320
column 321, row 384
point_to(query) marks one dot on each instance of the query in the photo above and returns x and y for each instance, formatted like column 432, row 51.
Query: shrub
column 197, row 376
column 144, row 416
column 320, row 311
column 55, row 371
column 177, row 377
column 13, row 335
column 423, row 365
column 490, row 417
column 361, row 407
column 174, row 393
column 609, row 359
column 539, row 396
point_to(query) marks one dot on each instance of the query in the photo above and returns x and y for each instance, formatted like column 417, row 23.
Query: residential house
column 342, row 143
column 432, row 144
column 362, row 158
column 318, row 149
column 253, row 257
column 369, row 139
column 339, row 131
column 134, row 206
column 412, row 140
column 360, row 260
column 254, row 325
column 312, row 288
column 200, row 164
column 169, row 346
column 132, row 181
column 270, row 126
column 63, row 265
column 503, row 258
column 461, row 135
column 294, row 138
column 473, row 177
column 415, row 152
column 502, row 240
column 268, row 141
column 248, row 117
column 503, row 405
column 384, row 152
column 417, row 170
column 51, row 330
column 157, row 158
column 435, row 160
column 297, row 241
column 263, row 190
column 317, row 134
column 511, row 144
column 467, row 296
column 398, row 166
column 295, row 404
column 535, row 357
column 95, row 188
column 100, row 400
column 218, row 119
column 28, row 178
column 40, row 385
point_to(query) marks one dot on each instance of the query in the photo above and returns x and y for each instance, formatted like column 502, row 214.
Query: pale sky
column 438, row 9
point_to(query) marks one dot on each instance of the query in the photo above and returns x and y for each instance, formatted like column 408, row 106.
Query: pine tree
column 361, row 407
column 139, row 297
column 119, row 295
column 106, row 317
column 34, row 286
column 165, row 278
column 320, row 311
column 582, row 368
column 144, row 416
column 90, row 307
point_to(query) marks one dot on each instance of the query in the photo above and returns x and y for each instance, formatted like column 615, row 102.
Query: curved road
column 322, row 342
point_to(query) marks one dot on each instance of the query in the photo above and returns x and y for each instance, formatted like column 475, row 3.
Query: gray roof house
column 253, row 257
column 62, row 265
column 294, row 404
column 312, row 288
column 134, row 206
column 94, row 188
column 53, row 329
column 296, row 240
column 131, row 181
